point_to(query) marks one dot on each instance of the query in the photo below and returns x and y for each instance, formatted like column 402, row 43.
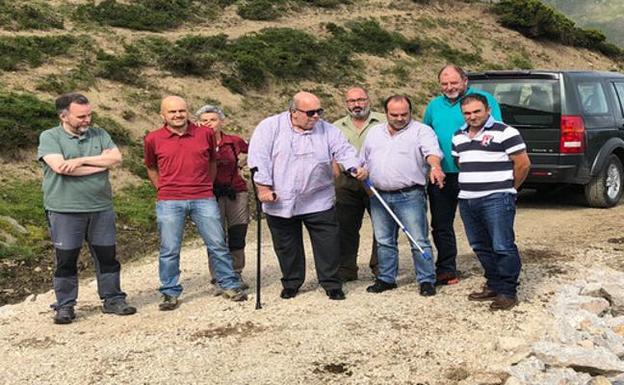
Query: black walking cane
column 258, row 236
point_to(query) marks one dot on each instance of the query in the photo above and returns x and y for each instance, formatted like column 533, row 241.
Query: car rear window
column 525, row 102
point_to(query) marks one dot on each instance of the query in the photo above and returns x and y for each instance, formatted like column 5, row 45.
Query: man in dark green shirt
column 351, row 197
column 77, row 197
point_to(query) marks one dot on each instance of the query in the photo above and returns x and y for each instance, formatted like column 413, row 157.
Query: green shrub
column 262, row 9
column 326, row 3
column 16, row 51
column 149, row 15
column 452, row 55
column 119, row 134
column 520, row 61
column 366, row 36
column 249, row 61
column 80, row 78
column 537, row 20
column 125, row 68
column 22, row 118
column 154, row 15
column 34, row 15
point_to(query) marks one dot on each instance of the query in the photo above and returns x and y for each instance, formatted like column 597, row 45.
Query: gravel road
column 396, row 337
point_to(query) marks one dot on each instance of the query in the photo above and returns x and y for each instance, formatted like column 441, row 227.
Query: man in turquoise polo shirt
column 77, row 198
column 445, row 116
column 351, row 197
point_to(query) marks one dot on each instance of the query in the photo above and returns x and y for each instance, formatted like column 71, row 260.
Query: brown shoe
column 486, row 294
column 502, row 302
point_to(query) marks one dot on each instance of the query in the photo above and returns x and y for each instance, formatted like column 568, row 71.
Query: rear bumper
column 550, row 173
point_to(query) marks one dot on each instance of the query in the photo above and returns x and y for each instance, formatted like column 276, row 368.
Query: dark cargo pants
column 68, row 232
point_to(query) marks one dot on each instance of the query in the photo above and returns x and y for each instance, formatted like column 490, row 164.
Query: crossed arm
column 86, row 165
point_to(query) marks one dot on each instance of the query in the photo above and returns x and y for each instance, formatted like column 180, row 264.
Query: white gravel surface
column 397, row 337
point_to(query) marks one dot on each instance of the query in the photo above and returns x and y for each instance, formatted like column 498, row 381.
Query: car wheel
column 605, row 189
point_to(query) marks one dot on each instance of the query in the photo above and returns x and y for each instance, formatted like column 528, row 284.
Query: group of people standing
column 309, row 173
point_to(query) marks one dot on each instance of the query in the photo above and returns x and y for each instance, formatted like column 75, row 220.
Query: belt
column 403, row 190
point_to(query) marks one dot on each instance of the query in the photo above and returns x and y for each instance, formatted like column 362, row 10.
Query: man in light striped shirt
column 493, row 163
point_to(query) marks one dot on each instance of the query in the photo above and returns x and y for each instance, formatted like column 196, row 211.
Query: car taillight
column 572, row 134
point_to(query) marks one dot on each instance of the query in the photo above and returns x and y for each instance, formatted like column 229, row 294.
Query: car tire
column 605, row 189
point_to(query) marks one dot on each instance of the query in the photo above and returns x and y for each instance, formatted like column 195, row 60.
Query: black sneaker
column 168, row 303
column 335, row 294
column 118, row 307
column 288, row 293
column 427, row 289
column 380, row 286
column 64, row 315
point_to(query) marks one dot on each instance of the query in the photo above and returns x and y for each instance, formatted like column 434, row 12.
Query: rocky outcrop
column 587, row 347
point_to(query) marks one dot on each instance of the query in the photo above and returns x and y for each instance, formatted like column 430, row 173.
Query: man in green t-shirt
column 351, row 197
column 77, row 198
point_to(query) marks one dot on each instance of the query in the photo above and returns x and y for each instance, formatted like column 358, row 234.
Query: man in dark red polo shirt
column 181, row 163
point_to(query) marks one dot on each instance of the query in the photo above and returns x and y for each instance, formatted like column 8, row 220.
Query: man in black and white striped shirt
column 493, row 163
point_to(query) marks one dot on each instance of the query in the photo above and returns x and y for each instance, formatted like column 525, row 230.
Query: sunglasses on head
column 311, row 113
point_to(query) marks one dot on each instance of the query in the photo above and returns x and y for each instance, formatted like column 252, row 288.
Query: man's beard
column 361, row 114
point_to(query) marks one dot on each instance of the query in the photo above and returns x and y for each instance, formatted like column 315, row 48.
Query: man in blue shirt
column 444, row 115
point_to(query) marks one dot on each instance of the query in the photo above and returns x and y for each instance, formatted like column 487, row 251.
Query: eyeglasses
column 359, row 100
column 311, row 113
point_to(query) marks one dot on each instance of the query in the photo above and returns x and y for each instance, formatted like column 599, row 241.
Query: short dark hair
column 474, row 98
column 397, row 98
column 62, row 102
column 457, row 69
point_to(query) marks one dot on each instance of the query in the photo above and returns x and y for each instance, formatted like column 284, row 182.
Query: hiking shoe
column 288, row 293
column 503, row 302
column 236, row 294
column 118, row 307
column 427, row 289
column 380, row 286
column 64, row 315
column 243, row 284
column 447, row 278
column 168, row 303
column 486, row 294
column 335, row 294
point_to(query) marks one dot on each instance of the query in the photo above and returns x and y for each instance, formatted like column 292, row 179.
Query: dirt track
column 394, row 338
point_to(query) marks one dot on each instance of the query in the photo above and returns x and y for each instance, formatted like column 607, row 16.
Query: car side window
column 593, row 98
column 619, row 91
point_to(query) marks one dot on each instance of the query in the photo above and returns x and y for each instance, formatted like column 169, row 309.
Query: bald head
column 170, row 100
column 173, row 110
column 304, row 103
column 303, row 99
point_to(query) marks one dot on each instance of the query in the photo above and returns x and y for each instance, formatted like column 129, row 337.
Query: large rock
column 600, row 380
column 533, row 372
column 614, row 293
column 527, row 369
column 597, row 361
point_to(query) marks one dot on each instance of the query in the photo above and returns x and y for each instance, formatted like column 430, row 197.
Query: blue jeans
column 171, row 215
column 489, row 227
column 411, row 209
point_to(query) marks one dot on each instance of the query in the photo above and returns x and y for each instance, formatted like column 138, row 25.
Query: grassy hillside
column 249, row 56
column 604, row 15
